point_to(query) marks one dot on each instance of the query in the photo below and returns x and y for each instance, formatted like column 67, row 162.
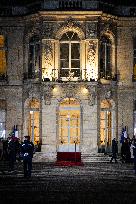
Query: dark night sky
column 25, row 2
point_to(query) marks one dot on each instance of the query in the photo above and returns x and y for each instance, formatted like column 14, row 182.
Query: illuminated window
column 3, row 67
column 134, row 59
column 70, row 56
column 105, row 58
column 105, row 125
column 2, row 118
column 34, row 57
column 33, row 125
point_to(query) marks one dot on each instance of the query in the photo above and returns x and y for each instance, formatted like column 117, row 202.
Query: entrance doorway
column 69, row 130
column 105, row 126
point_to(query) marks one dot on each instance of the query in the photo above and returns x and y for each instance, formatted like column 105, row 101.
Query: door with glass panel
column 69, row 128
column 105, row 130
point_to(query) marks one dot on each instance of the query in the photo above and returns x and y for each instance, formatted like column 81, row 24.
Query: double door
column 69, row 129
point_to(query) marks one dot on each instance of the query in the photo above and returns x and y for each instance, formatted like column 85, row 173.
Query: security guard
column 27, row 150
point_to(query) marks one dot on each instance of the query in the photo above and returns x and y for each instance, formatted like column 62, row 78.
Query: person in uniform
column 27, row 149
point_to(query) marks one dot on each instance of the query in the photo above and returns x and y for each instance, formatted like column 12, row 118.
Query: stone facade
column 100, row 98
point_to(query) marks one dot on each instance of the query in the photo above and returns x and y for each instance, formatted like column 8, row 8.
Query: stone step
column 98, row 157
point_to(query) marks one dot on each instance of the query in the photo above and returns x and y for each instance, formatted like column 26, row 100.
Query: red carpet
column 69, row 156
column 68, row 163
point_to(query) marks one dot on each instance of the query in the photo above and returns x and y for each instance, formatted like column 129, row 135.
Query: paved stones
column 88, row 184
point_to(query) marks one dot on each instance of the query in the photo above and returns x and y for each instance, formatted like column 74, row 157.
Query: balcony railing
column 28, row 75
column 73, row 4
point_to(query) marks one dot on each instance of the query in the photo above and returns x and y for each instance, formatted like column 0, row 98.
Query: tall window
column 105, row 126
column 2, row 118
column 2, row 56
column 105, row 58
column 134, row 118
column 33, row 125
column 134, row 59
column 34, row 57
column 70, row 56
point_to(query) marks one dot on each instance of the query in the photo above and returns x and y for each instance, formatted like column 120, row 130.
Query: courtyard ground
column 90, row 183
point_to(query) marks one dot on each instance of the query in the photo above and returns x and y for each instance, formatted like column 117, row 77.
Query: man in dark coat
column 27, row 150
column 11, row 153
column 114, row 150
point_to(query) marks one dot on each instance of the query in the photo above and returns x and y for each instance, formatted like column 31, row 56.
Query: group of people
column 128, row 151
column 12, row 149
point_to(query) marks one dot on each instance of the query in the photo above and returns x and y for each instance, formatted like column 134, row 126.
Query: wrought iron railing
column 73, row 4
column 32, row 75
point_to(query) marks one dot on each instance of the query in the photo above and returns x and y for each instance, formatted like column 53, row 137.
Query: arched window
column 3, row 65
column 34, row 57
column 105, row 58
column 70, row 56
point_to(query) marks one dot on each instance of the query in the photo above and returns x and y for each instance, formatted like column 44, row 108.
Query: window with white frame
column 70, row 56
column 34, row 57
column 105, row 58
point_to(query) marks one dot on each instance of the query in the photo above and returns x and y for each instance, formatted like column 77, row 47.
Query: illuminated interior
column 33, row 129
column 69, row 124
column 2, row 55
column 105, row 123
column 2, row 118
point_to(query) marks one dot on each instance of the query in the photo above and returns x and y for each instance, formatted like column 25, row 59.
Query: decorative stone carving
column 91, row 30
column 48, row 30
column 108, row 94
column 70, row 24
column 47, row 58
column 69, row 90
column 47, row 94
column 91, row 60
column 92, row 95
column 108, row 25
column 91, row 53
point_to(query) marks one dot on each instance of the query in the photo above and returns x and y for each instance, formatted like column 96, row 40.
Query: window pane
column 64, row 51
column 105, row 57
column 64, row 72
column 2, row 55
column 75, row 52
column 75, row 64
column 76, row 72
column 64, row 64
column 2, row 123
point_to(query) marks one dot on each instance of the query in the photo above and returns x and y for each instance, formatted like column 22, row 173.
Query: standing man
column 27, row 149
column 114, row 150
column 11, row 153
